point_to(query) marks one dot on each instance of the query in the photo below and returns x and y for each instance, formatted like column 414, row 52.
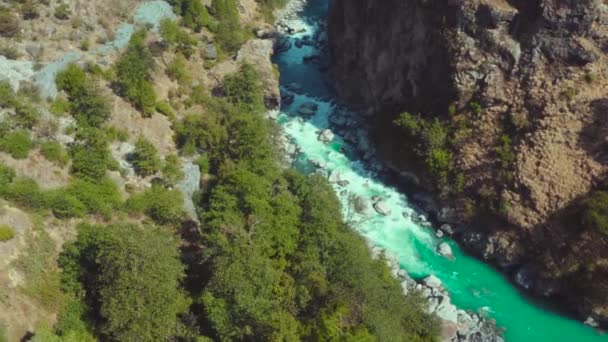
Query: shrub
column 53, row 151
column 90, row 155
column 17, row 143
column 505, row 153
column 174, row 35
column 161, row 205
column 177, row 70
column 165, row 109
column 29, row 10
column 476, row 107
column 62, row 12
column 102, row 197
column 133, row 74
column 244, row 88
column 85, row 45
column 26, row 114
column 145, row 158
column 60, row 107
column 267, row 8
column 25, row 193
column 203, row 163
column 9, row 24
column 172, row 171
column 87, row 103
column 595, row 212
column 229, row 33
column 7, row 95
column 6, row 233
column 114, row 134
column 7, row 175
column 64, row 205
column 194, row 14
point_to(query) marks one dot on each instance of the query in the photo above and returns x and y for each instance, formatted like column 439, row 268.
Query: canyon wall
column 535, row 72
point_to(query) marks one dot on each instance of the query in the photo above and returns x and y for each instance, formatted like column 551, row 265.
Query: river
column 472, row 284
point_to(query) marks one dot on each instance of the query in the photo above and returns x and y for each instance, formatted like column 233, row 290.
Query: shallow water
column 472, row 284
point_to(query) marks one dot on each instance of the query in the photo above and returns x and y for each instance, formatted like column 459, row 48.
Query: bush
column 62, row 12
column 90, row 155
column 595, row 212
column 25, row 193
column 29, row 10
column 174, row 35
column 7, row 175
column 165, row 109
column 60, row 107
column 26, row 114
column 17, row 143
column 9, row 51
column 6, row 233
column 9, row 24
column 203, row 163
column 102, row 197
column 194, row 14
column 87, row 103
column 145, row 158
column 172, row 171
column 133, row 74
column 7, row 95
column 53, row 151
column 177, row 70
column 64, row 205
column 161, row 205
column 229, row 34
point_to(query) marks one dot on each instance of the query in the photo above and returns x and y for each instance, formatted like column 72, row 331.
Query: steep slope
column 519, row 89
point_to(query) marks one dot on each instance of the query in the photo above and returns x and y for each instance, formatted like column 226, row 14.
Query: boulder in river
column 382, row 208
column 432, row 282
column 335, row 177
column 445, row 250
column 326, row 136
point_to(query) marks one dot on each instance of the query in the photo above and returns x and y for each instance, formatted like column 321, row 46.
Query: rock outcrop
column 533, row 70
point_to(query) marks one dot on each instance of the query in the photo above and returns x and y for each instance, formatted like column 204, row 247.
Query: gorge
column 310, row 109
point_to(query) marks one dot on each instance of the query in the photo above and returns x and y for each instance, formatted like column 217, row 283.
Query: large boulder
column 382, row 208
column 326, row 136
column 445, row 250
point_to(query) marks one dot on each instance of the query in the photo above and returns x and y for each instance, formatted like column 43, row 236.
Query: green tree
column 133, row 72
column 162, row 205
column 145, row 158
column 131, row 276
column 244, row 89
column 229, row 33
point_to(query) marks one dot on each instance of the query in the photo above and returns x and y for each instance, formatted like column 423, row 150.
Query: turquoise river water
column 472, row 284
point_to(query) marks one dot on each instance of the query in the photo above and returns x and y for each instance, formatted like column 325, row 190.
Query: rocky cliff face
column 533, row 70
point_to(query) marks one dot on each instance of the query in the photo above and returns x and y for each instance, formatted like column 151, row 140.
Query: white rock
column 334, row 177
column 439, row 233
column 591, row 322
column 445, row 250
column 382, row 208
column 432, row 281
column 326, row 136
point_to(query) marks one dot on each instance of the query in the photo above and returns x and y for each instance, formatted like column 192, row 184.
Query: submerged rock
column 308, row 109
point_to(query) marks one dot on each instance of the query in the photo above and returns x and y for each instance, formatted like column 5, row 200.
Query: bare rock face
column 536, row 70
